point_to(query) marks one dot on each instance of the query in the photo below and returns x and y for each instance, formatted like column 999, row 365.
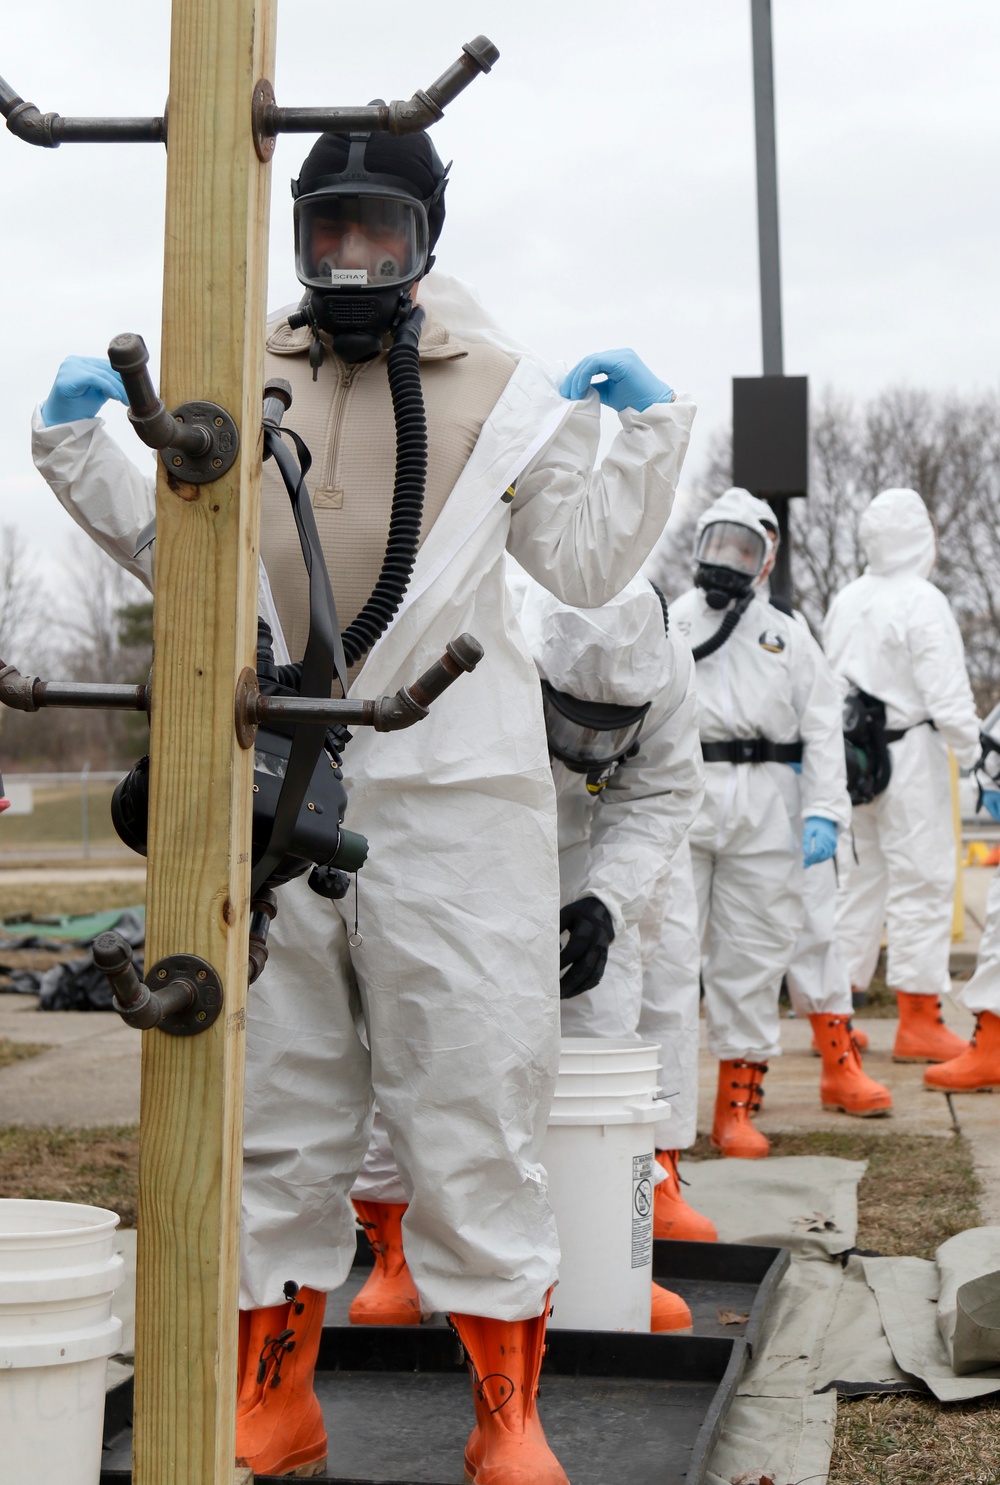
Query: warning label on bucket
column 642, row 1210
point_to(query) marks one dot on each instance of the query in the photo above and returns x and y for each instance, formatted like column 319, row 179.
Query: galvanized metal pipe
column 28, row 694
column 50, row 130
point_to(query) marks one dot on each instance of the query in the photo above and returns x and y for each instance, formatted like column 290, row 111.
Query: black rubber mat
column 398, row 1406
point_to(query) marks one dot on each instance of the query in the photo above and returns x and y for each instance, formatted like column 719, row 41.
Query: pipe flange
column 207, row 1003
column 247, row 692
column 202, row 469
column 262, row 120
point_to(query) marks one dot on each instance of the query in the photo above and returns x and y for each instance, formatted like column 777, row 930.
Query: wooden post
column 214, row 308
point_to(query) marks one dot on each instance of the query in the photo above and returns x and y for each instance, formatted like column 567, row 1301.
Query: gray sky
column 603, row 191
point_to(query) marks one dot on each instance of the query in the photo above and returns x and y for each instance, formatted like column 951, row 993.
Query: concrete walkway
column 90, row 1075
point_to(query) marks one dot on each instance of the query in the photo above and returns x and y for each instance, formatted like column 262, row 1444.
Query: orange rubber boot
column 668, row 1311
column 389, row 1295
column 283, row 1433
column 507, row 1445
column 257, row 1329
column 843, row 1084
column 922, row 1035
column 672, row 1217
column 978, row 1067
column 739, row 1096
column 858, row 1037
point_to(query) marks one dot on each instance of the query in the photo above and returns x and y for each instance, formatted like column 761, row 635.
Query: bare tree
column 98, row 590
column 948, row 449
column 22, row 602
column 104, row 643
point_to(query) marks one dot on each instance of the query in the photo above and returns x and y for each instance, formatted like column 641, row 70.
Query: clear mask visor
column 728, row 544
column 593, row 735
column 361, row 240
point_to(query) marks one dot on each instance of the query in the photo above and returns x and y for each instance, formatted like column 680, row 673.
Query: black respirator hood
column 357, row 318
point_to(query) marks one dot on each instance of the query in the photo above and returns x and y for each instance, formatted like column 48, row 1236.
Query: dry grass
column 58, row 899
column 99, row 1167
column 918, row 1189
column 57, row 818
column 901, row 1440
column 11, row 1052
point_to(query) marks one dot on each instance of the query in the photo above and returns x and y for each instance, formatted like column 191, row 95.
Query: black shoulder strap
column 782, row 605
column 324, row 653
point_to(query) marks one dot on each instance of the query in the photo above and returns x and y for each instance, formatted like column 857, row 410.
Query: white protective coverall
column 892, row 633
column 818, row 981
column 671, row 996
column 769, row 679
column 456, row 980
column 619, row 845
column 982, row 992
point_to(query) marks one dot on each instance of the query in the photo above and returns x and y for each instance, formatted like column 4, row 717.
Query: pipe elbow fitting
column 27, row 122
column 17, row 690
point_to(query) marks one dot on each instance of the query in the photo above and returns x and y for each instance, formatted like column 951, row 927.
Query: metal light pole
column 775, row 393
column 767, row 189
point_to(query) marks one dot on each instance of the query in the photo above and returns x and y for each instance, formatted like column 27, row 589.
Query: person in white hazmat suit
column 456, row 978
column 620, row 713
column 766, row 699
column 670, row 951
column 817, row 978
column 892, row 635
column 621, row 718
column 977, row 1067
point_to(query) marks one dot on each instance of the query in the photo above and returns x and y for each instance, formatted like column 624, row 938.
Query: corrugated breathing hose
column 403, row 370
column 717, row 640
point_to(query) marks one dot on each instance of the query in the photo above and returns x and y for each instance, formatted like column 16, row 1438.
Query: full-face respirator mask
column 728, row 561
column 363, row 237
column 591, row 737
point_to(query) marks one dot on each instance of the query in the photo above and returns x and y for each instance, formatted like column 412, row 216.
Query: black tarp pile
column 76, row 985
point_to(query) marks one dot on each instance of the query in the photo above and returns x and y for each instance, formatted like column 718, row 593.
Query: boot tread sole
column 839, row 1108
column 921, row 1057
column 977, row 1088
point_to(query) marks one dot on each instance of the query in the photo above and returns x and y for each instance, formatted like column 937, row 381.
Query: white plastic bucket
column 599, row 1156
column 58, row 1272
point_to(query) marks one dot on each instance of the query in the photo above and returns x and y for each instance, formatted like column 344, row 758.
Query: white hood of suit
column 615, row 654
column 897, row 534
column 741, row 507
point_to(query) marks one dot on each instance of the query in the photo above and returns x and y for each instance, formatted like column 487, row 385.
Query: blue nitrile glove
column 819, row 840
column 991, row 803
column 795, row 767
column 82, row 386
column 630, row 383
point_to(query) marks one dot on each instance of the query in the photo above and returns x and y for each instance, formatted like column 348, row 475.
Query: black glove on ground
column 586, row 953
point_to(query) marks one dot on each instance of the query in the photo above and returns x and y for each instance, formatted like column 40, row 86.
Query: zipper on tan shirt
column 346, row 380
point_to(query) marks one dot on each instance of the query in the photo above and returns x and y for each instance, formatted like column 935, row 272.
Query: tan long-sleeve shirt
column 346, row 420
